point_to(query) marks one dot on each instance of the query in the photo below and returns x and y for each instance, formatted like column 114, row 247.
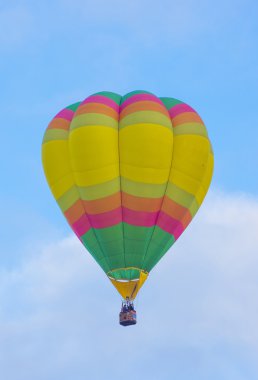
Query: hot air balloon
column 129, row 173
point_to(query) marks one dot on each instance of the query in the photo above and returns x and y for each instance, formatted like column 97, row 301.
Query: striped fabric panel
column 56, row 158
column 129, row 174
column 146, row 143
column 95, row 163
column 189, row 164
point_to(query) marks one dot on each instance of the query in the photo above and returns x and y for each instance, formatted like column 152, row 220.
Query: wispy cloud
column 197, row 312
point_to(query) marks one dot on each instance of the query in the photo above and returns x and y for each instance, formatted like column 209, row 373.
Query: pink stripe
column 103, row 100
column 106, row 219
column 170, row 225
column 65, row 114
column 135, row 218
column 81, row 226
column 139, row 218
column 140, row 98
column 180, row 108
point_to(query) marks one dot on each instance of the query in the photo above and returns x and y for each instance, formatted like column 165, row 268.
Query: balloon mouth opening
column 126, row 274
column 128, row 281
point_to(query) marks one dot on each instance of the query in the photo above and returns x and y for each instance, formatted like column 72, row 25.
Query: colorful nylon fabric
column 129, row 173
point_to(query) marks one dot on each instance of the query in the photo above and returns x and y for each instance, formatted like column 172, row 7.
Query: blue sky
column 54, row 53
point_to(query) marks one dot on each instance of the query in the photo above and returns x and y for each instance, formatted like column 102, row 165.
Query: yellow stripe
column 97, row 176
column 146, row 153
column 206, row 180
column 62, row 185
column 190, row 159
column 55, row 157
column 94, row 155
column 185, row 182
column 145, row 175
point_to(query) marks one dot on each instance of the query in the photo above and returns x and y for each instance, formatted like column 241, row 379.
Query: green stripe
column 111, row 95
column 161, row 241
column 136, row 246
column 110, row 245
column 190, row 129
column 137, row 232
column 101, row 253
column 170, row 102
column 154, row 254
column 112, row 242
column 101, row 190
column 89, row 240
column 116, row 261
column 104, row 264
column 109, row 234
column 152, row 117
column 106, row 246
column 73, row 106
column 194, row 207
column 93, row 119
column 183, row 198
column 160, row 238
column 55, row 134
column 211, row 148
column 140, row 189
column 92, row 245
column 134, row 235
column 180, row 196
column 106, row 189
column 88, row 193
column 112, row 249
column 68, row 198
column 136, row 241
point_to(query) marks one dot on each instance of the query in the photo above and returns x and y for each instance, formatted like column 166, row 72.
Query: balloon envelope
column 129, row 173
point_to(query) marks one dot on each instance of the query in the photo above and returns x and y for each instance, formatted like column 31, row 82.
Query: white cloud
column 197, row 312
